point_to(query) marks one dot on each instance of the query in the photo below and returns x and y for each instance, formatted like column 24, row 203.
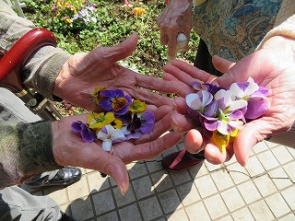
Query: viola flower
column 254, row 94
column 137, row 106
column 222, row 140
column 87, row 134
column 198, row 101
column 99, row 120
column 96, row 94
column 148, row 122
column 109, row 135
column 117, row 123
column 115, row 101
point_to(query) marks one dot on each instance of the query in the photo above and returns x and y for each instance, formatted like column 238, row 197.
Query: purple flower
column 87, row 134
column 115, row 101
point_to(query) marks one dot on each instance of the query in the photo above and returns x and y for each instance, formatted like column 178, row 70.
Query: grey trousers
column 16, row 203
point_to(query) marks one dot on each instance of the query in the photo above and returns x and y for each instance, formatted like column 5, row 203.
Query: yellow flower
column 99, row 120
column 221, row 140
column 139, row 11
column 96, row 92
column 117, row 123
column 137, row 106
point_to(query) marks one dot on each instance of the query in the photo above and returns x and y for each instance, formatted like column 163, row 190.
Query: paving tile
column 232, row 199
column 188, row 193
column 225, row 218
column 136, row 170
column 122, row 200
column 291, row 151
column 177, row 216
column 109, row 217
column 161, row 181
column 96, row 182
column 103, row 202
column 265, row 185
column 142, row 187
column 222, row 180
column 180, row 177
column 249, row 192
column 212, row 167
column 205, row 186
column 198, row 170
column 261, row 211
column 289, row 168
column 197, row 211
column 260, row 147
column 254, row 167
column 289, row 217
column 268, row 160
column 150, row 208
column 277, row 204
column 78, row 189
column 154, row 164
column 82, row 208
column 282, row 154
column 130, row 212
column 288, row 195
column 280, row 178
column 238, row 173
column 215, row 206
column 243, row 215
column 169, row 201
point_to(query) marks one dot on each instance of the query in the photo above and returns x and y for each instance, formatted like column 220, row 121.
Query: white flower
column 110, row 135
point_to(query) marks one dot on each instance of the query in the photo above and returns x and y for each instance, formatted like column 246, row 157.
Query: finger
column 221, row 64
column 172, row 47
column 183, row 89
column 192, row 71
column 182, row 123
column 193, row 141
column 215, row 156
column 254, row 132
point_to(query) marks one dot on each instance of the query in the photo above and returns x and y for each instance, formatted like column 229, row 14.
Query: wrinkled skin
column 176, row 18
column 272, row 66
column 85, row 71
column 70, row 150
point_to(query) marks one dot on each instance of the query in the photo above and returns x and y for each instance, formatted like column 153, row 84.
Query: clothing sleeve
column 25, row 150
column 42, row 68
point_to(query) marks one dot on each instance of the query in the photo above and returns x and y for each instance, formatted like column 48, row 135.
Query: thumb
column 252, row 133
column 221, row 64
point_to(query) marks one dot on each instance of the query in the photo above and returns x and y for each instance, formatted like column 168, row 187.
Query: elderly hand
column 176, row 18
column 273, row 67
column 85, row 71
column 70, row 150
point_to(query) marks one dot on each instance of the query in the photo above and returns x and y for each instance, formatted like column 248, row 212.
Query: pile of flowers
column 123, row 119
column 222, row 112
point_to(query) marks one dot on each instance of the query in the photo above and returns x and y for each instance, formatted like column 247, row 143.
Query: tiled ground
column 263, row 190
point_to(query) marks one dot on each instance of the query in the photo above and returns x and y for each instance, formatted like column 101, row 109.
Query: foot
column 61, row 177
column 182, row 160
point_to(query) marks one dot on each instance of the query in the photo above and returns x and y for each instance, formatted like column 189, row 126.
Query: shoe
column 61, row 177
column 182, row 160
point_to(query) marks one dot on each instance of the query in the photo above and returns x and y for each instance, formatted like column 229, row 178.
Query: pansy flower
column 109, row 135
column 115, row 101
column 87, row 134
column 99, row 120
column 137, row 106
column 255, row 96
column 96, row 94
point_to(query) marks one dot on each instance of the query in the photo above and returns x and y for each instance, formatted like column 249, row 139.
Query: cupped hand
column 85, row 71
column 176, row 18
column 70, row 150
column 272, row 67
